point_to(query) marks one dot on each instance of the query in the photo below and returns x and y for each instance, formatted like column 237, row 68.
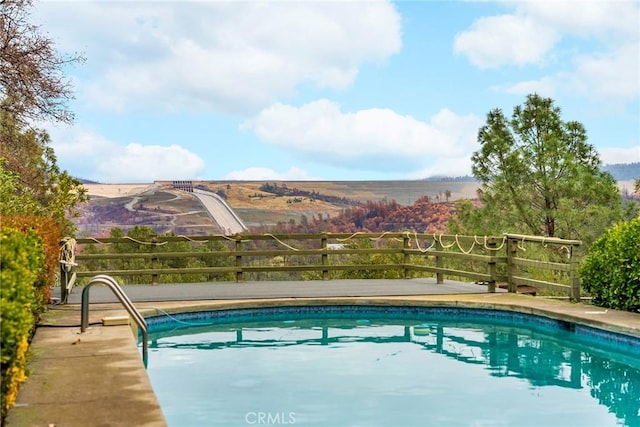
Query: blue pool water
column 392, row 366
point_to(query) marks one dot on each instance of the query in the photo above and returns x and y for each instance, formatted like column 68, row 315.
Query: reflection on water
column 552, row 361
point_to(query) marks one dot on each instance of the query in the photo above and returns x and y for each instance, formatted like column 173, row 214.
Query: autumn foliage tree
column 423, row 216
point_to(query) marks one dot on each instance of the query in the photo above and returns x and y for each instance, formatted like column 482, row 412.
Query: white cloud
column 545, row 86
column 262, row 174
column 597, row 44
column 611, row 75
column 373, row 139
column 612, row 155
column 614, row 74
column 144, row 163
column 452, row 167
column 494, row 41
column 593, row 18
column 220, row 56
column 93, row 157
column 80, row 150
column 77, row 144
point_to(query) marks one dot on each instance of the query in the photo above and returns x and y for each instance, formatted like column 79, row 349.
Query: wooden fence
column 511, row 260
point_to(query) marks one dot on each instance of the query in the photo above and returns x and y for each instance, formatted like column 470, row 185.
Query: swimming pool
column 390, row 366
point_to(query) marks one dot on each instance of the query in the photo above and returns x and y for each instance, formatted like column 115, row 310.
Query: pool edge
column 614, row 321
column 50, row 408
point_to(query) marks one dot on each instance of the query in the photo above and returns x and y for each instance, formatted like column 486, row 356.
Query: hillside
column 624, row 171
column 169, row 210
column 289, row 206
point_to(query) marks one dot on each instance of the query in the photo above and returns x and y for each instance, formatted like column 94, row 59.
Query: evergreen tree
column 540, row 176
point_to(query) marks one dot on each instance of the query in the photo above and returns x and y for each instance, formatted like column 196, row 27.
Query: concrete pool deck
column 97, row 378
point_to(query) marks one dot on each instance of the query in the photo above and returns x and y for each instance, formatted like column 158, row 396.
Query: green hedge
column 611, row 270
column 22, row 261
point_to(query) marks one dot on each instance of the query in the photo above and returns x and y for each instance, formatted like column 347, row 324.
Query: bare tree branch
column 32, row 84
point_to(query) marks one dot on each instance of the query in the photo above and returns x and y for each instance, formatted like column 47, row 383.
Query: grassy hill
column 166, row 209
column 403, row 192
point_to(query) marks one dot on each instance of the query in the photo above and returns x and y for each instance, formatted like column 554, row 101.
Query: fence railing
column 511, row 260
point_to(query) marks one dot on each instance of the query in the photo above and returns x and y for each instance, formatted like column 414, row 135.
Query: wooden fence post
column 512, row 252
column 439, row 262
column 154, row 262
column 574, row 278
column 405, row 247
column 491, row 246
column 238, row 247
column 325, row 257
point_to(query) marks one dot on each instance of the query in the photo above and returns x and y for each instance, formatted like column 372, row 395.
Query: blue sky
column 331, row 90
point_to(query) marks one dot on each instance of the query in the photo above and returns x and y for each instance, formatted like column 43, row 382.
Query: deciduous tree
column 31, row 70
column 33, row 88
column 31, row 182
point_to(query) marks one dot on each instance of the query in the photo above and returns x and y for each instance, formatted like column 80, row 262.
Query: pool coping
column 76, row 379
column 614, row 321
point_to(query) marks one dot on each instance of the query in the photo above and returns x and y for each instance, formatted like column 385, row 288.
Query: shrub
column 50, row 233
column 611, row 270
column 21, row 262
